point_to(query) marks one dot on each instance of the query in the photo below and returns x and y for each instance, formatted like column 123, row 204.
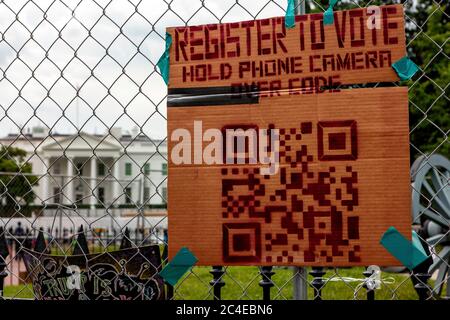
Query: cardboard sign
column 270, row 163
column 129, row 274
column 358, row 47
column 343, row 180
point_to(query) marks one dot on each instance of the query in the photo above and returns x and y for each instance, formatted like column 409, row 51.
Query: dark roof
column 125, row 137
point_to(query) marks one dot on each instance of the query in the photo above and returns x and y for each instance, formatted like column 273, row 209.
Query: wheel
column 430, row 181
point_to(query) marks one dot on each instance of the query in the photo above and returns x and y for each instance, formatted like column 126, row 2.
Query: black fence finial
column 317, row 283
column 420, row 274
column 422, row 288
column 217, row 282
column 370, row 291
column 125, row 243
column 81, row 245
column 266, row 283
column 41, row 245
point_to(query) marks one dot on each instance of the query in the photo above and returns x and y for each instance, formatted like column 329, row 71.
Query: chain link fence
column 83, row 142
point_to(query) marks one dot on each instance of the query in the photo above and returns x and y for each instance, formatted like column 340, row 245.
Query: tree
column 429, row 96
column 15, row 180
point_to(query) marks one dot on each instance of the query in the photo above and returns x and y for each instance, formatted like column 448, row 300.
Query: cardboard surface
column 343, row 175
column 343, row 181
column 358, row 47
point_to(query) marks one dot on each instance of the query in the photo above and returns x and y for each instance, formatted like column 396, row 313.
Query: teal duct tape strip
column 410, row 254
column 405, row 68
column 180, row 264
column 289, row 19
column 164, row 61
column 328, row 15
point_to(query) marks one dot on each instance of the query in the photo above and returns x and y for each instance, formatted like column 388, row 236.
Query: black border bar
column 212, row 96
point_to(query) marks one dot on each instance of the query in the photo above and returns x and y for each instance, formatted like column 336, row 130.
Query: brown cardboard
column 267, row 54
column 371, row 171
column 343, row 177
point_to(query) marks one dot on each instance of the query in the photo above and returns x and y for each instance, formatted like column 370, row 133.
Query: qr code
column 308, row 211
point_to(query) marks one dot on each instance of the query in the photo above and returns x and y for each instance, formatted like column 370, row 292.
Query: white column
column 44, row 179
column 68, row 194
column 93, row 183
column 116, row 184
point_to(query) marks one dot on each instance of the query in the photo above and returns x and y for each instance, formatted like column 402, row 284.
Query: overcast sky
column 59, row 27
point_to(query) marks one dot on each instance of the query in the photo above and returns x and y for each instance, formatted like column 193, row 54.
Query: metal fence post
column 422, row 287
column 300, row 6
column 266, row 283
column 300, row 283
column 370, row 292
column 420, row 274
column 217, row 282
column 317, row 282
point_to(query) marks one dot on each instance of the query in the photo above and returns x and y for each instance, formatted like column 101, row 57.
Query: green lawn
column 242, row 283
column 20, row 291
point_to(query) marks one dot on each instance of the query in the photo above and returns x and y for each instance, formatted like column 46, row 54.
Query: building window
column 164, row 169
column 100, row 169
column 57, row 195
column 79, row 167
column 128, row 195
column 79, row 198
column 147, row 169
column 128, row 169
column 146, row 194
column 57, row 169
column 101, row 195
column 164, row 194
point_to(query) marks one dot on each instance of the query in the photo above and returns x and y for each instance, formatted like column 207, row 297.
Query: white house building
column 94, row 172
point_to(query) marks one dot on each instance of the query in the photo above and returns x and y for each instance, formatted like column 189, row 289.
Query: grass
column 242, row 283
column 21, row 291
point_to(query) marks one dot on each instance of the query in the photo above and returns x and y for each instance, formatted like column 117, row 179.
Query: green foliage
column 243, row 283
column 15, row 188
column 427, row 33
column 429, row 95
